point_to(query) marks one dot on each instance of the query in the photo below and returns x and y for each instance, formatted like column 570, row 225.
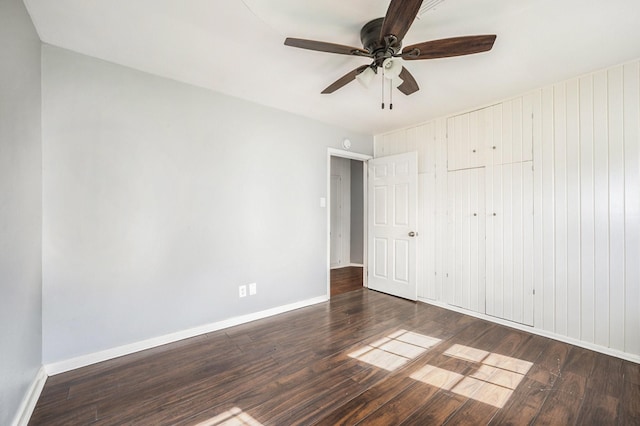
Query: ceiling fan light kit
column 382, row 42
column 366, row 77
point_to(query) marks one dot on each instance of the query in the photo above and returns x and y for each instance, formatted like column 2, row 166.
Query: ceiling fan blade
column 400, row 15
column 322, row 46
column 344, row 80
column 409, row 84
column 448, row 47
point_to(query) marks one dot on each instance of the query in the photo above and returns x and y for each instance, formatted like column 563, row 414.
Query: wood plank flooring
column 361, row 358
column 344, row 280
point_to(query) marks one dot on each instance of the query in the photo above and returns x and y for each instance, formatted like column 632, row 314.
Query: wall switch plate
column 253, row 289
column 242, row 291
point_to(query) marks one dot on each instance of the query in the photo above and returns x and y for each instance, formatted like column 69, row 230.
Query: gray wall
column 357, row 213
column 20, row 207
column 161, row 198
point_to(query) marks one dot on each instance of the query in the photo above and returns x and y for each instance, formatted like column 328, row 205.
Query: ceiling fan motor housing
column 370, row 38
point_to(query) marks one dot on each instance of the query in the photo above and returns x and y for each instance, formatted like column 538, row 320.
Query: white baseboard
column 533, row 330
column 93, row 358
column 30, row 399
column 360, row 265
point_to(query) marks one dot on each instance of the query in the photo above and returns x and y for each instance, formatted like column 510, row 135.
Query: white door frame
column 333, row 152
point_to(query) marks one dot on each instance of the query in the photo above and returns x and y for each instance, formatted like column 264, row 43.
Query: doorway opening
column 347, row 213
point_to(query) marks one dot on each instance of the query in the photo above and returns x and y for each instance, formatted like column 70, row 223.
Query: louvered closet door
column 509, row 262
column 465, row 281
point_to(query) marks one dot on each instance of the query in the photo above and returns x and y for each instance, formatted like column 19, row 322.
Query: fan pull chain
column 391, row 95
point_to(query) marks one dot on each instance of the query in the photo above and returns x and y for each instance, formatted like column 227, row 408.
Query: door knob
column 413, row 234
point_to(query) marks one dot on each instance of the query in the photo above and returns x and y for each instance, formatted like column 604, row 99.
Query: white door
column 336, row 219
column 393, row 185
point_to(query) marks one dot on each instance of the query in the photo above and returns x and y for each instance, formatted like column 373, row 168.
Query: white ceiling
column 236, row 47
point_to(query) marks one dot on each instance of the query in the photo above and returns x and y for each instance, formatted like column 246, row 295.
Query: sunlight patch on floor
column 492, row 382
column 395, row 350
column 232, row 417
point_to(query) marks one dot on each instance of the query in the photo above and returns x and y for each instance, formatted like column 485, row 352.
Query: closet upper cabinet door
column 509, row 133
column 465, row 136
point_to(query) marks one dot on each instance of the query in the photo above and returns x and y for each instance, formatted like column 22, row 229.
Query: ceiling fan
column 382, row 42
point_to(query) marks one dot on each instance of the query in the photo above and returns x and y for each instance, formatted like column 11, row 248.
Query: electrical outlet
column 253, row 289
column 242, row 291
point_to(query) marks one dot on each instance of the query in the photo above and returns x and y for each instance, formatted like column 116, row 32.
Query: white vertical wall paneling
column 601, row 207
column 429, row 137
column 391, row 143
column 528, row 298
column 587, row 210
column 451, row 142
column 538, row 222
column 458, row 156
column 508, row 183
column 385, row 146
column 400, row 142
column 378, row 142
column 560, row 204
column 528, row 102
column 616, row 208
column 463, row 244
column 412, row 144
column 516, row 126
column 428, row 235
column 477, row 243
column 448, row 285
column 504, row 150
column 509, row 289
column 573, row 212
column 548, row 209
column 454, row 126
column 458, row 256
column 440, row 141
column 580, row 248
column 471, row 291
column 632, row 206
column 497, row 136
column 474, row 140
column 462, row 146
column 421, row 242
column 516, row 305
column 495, row 243
column 478, row 189
column 493, row 258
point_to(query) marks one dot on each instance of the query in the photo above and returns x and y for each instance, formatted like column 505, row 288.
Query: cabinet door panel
column 509, row 242
column 465, row 286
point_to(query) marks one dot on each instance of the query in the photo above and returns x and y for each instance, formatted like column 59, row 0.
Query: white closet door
column 509, row 266
column 465, row 283
column 466, row 135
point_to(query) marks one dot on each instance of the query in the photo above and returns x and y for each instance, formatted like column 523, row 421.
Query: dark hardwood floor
column 344, row 280
column 361, row 358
